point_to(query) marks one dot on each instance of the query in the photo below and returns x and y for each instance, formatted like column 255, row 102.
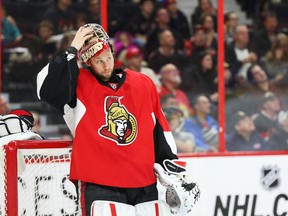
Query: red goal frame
column 11, row 167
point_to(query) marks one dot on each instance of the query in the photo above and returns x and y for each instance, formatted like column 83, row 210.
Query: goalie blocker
column 181, row 192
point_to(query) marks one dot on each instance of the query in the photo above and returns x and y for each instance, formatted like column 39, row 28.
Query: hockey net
column 34, row 179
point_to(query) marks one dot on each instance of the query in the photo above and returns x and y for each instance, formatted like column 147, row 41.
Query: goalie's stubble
column 102, row 65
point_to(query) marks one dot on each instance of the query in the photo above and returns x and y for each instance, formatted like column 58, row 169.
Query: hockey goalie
column 119, row 132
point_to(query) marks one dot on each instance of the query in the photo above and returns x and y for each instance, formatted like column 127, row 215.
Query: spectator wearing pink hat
column 134, row 61
column 122, row 41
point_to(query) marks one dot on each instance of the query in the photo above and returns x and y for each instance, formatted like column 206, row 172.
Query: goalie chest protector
column 114, row 141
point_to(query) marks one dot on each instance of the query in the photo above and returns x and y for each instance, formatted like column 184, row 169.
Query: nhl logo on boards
column 270, row 177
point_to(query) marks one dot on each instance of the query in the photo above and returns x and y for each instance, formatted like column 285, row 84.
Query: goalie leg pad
column 153, row 208
column 14, row 124
column 108, row 208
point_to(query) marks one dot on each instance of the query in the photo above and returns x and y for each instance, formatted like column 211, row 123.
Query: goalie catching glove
column 181, row 192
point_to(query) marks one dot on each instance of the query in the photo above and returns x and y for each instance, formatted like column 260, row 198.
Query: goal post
column 34, row 179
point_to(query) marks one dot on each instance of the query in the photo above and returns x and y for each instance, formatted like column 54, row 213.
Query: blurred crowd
column 178, row 52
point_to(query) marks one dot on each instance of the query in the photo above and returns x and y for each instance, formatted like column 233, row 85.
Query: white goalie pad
column 181, row 192
column 17, row 127
column 109, row 208
column 153, row 208
column 14, row 124
column 3, row 129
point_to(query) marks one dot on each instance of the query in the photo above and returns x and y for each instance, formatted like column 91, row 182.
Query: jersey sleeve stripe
column 72, row 116
column 170, row 140
column 40, row 79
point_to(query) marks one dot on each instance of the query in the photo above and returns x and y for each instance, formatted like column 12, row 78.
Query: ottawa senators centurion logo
column 121, row 126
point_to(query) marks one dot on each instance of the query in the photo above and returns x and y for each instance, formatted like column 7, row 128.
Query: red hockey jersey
column 119, row 132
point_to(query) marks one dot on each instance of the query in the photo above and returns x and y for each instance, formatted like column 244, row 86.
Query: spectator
column 184, row 140
column 258, row 84
column 229, row 80
column 231, row 23
column 122, row 41
column 11, row 35
column 178, row 19
column 81, row 19
column 45, row 31
column 197, row 44
column 266, row 119
column 166, row 52
column 142, row 23
column 239, row 56
column 279, row 138
column 244, row 136
column 65, row 41
column 119, row 16
column 162, row 20
column 257, row 76
column 93, row 11
column 4, row 106
column 134, row 61
column 168, row 101
column 171, row 80
column 47, row 45
column 264, row 39
column 276, row 59
column 208, row 24
column 204, row 7
column 201, row 78
column 202, row 125
column 36, row 125
column 61, row 15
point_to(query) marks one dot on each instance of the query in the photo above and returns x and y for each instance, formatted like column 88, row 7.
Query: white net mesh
column 43, row 183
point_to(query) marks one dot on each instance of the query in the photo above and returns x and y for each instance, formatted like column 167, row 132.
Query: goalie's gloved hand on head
column 181, row 192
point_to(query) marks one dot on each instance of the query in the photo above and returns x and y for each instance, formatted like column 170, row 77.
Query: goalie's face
column 102, row 65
